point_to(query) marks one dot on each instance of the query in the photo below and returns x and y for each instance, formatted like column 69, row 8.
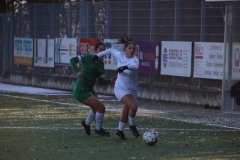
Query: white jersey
column 128, row 79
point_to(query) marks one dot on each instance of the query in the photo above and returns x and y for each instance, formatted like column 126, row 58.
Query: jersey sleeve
column 109, row 51
column 103, row 81
column 134, row 64
column 73, row 62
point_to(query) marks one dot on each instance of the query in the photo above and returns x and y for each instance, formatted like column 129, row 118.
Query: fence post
column 108, row 20
column 35, row 35
column 203, row 10
column 52, row 21
column 129, row 16
column 70, row 20
column 152, row 20
column 2, row 44
column 176, row 21
column 9, row 43
column 20, row 20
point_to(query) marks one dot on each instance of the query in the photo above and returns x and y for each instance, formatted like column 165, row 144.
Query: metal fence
column 161, row 20
column 6, row 42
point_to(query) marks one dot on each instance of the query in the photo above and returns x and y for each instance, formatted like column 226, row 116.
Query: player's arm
column 106, row 52
column 103, row 81
column 73, row 62
column 133, row 66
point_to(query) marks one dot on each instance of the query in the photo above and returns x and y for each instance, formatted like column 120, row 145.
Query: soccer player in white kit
column 126, row 86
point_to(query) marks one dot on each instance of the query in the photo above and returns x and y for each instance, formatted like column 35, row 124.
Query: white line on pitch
column 47, row 101
column 158, row 129
column 172, row 119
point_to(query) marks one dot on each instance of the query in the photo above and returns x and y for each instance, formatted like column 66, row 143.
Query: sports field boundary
column 141, row 111
column 143, row 129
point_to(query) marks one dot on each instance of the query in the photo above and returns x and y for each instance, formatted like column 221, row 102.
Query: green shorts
column 83, row 95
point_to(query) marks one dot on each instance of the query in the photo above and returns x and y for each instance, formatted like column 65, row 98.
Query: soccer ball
column 150, row 137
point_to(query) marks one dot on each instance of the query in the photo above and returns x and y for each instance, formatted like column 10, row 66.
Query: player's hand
column 95, row 58
column 121, row 69
column 113, row 80
column 79, row 74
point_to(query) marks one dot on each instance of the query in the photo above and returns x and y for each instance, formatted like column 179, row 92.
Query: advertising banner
column 148, row 54
column 87, row 45
column 65, row 49
column 44, row 52
column 110, row 62
column 208, row 60
column 176, row 58
column 23, row 51
column 236, row 61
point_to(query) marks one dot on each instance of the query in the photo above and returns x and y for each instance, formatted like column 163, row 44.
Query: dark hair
column 98, row 45
column 124, row 39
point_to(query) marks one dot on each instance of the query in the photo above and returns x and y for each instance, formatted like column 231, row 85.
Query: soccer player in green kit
column 84, row 92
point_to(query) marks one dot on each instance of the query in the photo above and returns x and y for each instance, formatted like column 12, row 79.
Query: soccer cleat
column 134, row 131
column 121, row 135
column 102, row 133
column 86, row 128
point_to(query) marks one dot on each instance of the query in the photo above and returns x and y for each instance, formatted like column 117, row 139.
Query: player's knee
column 134, row 108
column 101, row 109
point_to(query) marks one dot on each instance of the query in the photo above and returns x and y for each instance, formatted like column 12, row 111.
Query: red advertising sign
column 87, row 45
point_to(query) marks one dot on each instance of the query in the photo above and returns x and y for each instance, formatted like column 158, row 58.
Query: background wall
column 145, row 91
column 161, row 20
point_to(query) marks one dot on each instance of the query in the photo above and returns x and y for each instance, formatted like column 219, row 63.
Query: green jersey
column 90, row 72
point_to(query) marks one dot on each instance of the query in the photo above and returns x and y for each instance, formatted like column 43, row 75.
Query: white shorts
column 119, row 93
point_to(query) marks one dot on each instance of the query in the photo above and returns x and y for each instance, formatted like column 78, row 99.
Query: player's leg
column 90, row 118
column 97, row 106
column 88, row 99
column 131, row 103
column 123, row 122
column 92, row 113
column 124, row 116
column 82, row 96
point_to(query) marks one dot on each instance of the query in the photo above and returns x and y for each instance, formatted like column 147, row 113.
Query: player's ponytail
column 125, row 40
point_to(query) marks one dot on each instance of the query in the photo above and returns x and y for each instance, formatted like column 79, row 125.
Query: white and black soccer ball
column 150, row 137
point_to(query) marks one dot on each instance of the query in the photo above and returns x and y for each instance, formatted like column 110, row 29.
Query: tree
column 10, row 6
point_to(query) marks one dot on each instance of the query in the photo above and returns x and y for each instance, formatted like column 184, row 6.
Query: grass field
column 49, row 127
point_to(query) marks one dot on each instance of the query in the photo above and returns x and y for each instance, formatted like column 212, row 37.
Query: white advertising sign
column 176, row 58
column 110, row 62
column 65, row 49
column 23, row 51
column 44, row 52
column 208, row 60
column 236, row 61
column 50, row 52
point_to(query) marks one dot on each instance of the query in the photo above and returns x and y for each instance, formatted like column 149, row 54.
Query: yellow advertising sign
column 26, row 61
column 23, row 51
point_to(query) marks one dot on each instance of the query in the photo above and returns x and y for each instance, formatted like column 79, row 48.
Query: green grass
column 34, row 129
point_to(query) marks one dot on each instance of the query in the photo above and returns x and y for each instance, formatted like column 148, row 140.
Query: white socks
column 90, row 118
column 100, row 117
column 132, row 121
column 99, row 120
column 121, row 126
